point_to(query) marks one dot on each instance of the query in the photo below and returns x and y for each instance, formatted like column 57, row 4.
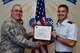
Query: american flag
column 40, row 12
column 40, row 19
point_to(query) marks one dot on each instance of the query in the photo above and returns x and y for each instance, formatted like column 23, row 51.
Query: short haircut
column 65, row 6
column 16, row 5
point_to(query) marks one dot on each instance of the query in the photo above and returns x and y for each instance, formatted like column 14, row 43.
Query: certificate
column 42, row 32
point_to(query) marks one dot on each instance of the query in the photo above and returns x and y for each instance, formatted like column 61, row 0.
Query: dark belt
column 62, row 52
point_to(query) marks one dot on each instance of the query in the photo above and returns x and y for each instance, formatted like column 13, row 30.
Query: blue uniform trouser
column 62, row 52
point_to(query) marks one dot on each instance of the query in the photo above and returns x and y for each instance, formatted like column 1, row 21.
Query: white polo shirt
column 66, row 30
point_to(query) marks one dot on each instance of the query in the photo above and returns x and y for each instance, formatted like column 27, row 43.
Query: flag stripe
column 46, row 49
column 42, row 22
column 39, row 50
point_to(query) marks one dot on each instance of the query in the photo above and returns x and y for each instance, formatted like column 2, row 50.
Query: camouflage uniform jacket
column 14, row 38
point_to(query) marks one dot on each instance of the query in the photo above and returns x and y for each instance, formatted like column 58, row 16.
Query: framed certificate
column 42, row 32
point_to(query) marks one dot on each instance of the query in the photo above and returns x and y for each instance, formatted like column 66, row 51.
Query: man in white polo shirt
column 66, row 31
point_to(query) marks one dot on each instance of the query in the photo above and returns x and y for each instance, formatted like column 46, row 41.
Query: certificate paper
column 42, row 32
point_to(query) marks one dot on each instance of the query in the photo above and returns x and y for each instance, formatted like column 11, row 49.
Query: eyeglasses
column 18, row 11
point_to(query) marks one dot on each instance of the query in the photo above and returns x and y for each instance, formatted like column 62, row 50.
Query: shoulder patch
column 70, row 22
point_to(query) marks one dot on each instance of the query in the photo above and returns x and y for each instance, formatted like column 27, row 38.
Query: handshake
column 37, row 43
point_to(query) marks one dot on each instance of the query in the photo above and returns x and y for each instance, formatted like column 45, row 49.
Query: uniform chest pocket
column 21, row 30
column 18, row 31
column 62, row 32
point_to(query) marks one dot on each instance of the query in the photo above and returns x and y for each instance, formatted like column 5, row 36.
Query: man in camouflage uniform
column 14, row 38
